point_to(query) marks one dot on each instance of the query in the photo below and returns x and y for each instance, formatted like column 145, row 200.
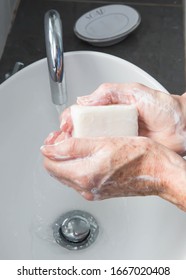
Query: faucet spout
column 55, row 57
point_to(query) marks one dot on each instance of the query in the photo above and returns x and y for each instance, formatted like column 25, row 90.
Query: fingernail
column 60, row 157
column 42, row 147
column 50, row 136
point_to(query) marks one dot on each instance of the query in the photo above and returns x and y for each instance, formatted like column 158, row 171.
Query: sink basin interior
column 31, row 200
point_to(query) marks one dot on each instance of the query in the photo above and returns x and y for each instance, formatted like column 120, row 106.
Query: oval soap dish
column 107, row 25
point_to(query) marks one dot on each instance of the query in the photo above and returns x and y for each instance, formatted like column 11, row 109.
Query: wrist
column 155, row 162
column 182, row 102
column 173, row 179
column 180, row 129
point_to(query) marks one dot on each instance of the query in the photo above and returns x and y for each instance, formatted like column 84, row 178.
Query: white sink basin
column 30, row 200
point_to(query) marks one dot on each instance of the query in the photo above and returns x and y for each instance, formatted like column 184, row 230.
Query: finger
column 56, row 137
column 66, row 121
column 128, row 93
column 61, row 137
column 52, row 137
column 69, row 148
column 107, row 94
column 72, row 173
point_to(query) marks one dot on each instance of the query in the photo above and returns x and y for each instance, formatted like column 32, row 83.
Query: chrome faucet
column 55, row 56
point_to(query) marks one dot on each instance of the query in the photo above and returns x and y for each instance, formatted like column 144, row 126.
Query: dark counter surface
column 156, row 46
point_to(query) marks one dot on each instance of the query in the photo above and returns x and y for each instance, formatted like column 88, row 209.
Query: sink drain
column 75, row 230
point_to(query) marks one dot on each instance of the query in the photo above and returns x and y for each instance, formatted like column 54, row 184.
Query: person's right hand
column 161, row 116
column 107, row 167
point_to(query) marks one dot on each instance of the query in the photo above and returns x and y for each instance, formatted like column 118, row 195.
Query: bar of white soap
column 99, row 121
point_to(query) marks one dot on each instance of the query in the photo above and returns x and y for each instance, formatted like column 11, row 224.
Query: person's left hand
column 161, row 116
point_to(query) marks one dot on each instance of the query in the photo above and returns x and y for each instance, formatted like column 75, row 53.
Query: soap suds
column 146, row 178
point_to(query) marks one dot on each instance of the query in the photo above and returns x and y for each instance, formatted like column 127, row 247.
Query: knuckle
column 89, row 198
column 136, row 85
column 146, row 143
column 105, row 86
column 85, row 184
column 87, row 195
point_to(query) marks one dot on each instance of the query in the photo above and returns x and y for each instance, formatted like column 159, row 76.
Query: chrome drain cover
column 75, row 230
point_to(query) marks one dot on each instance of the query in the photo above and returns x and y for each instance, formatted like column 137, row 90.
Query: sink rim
column 84, row 52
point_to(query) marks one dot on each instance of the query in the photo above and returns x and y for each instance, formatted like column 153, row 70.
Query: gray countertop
column 156, row 46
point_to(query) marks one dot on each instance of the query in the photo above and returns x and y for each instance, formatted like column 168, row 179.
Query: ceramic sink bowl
column 31, row 200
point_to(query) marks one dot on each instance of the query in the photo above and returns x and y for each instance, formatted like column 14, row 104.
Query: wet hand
column 161, row 116
column 101, row 168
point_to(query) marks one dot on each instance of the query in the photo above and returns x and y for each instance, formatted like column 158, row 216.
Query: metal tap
column 55, row 56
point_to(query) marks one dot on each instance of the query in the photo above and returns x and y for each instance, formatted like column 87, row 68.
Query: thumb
column 70, row 148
